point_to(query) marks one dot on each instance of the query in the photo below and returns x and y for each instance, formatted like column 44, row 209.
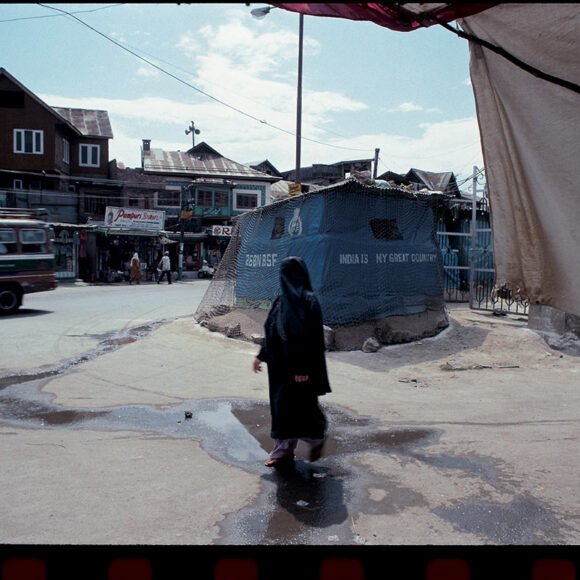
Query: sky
column 157, row 67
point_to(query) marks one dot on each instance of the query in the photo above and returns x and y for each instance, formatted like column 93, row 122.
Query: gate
column 66, row 250
column 468, row 257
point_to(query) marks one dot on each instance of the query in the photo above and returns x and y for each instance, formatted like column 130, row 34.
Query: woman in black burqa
column 293, row 349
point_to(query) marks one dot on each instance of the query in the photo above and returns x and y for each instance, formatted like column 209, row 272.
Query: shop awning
column 119, row 232
column 187, row 236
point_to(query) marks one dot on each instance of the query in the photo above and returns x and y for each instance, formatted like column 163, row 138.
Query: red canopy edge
column 402, row 17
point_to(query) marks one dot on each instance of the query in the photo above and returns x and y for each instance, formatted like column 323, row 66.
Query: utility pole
column 184, row 214
column 376, row 163
column 298, row 176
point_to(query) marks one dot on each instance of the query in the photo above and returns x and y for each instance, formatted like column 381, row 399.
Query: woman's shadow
column 310, row 493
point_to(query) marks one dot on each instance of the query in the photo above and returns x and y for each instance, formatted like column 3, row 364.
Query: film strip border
column 288, row 562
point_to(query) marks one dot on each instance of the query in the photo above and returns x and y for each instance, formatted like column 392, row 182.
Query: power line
column 262, row 121
column 57, row 15
column 239, row 96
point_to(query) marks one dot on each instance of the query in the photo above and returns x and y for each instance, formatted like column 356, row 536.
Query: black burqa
column 294, row 346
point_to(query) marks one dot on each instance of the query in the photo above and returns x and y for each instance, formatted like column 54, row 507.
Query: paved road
column 54, row 326
column 469, row 438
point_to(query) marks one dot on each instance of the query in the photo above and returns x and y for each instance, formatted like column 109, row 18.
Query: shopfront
column 217, row 243
column 124, row 232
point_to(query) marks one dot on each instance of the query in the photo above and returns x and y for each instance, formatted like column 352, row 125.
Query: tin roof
column 200, row 161
column 91, row 123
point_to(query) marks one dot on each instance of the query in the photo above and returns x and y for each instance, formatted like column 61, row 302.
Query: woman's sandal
column 280, row 461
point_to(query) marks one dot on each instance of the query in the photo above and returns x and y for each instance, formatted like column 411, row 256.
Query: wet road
column 309, row 503
column 76, row 319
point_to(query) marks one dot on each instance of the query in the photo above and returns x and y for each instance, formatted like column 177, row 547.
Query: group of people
column 164, row 269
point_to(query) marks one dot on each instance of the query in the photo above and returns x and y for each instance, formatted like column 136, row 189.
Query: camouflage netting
column 372, row 254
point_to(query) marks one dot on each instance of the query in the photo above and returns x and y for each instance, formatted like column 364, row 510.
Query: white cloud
column 451, row 145
column 253, row 69
column 405, row 108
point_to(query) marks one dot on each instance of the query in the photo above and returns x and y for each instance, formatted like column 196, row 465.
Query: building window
column 169, row 198
column 246, row 201
column 90, row 155
column 96, row 204
column 28, row 141
column 66, row 151
column 205, row 198
column 222, row 199
column 17, row 184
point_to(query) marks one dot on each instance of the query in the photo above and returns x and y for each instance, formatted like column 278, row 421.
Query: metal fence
column 468, row 259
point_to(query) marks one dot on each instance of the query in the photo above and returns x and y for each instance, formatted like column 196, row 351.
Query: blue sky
column 364, row 86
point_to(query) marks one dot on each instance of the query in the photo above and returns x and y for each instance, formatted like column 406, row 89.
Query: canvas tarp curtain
column 529, row 128
column 402, row 17
column 530, row 132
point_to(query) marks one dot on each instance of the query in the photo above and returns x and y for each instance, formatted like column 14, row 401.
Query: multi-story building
column 50, row 157
column 203, row 192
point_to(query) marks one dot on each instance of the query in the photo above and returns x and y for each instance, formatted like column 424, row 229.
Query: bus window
column 33, row 241
column 7, row 241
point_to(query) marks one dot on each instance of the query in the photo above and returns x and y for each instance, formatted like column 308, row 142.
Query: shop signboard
column 222, row 231
column 131, row 218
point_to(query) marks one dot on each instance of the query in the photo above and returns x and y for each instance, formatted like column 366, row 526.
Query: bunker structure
column 373, row 257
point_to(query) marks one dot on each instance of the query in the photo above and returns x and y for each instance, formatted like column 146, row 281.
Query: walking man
column 165, row 267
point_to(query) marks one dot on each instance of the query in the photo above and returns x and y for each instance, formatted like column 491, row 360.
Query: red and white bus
column 27, row 262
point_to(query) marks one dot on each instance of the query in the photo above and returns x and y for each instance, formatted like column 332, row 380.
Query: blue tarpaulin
column 370, row 254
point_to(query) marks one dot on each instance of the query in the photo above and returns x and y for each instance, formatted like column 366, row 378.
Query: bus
column 27, row 262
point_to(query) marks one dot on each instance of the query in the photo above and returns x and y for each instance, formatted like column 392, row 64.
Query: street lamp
column 260, row 13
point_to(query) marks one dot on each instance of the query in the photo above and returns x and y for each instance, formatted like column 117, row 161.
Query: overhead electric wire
column 248, row 99
column 262, row 121
column 57, row 15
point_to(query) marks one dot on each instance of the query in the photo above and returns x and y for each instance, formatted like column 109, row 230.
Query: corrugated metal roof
column 91, row 123
column 434, row 181
column 180, row 162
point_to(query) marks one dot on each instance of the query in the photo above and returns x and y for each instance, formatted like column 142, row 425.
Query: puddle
column 308, row 503
column 27, row 411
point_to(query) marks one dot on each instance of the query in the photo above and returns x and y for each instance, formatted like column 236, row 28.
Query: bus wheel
column 10, row 299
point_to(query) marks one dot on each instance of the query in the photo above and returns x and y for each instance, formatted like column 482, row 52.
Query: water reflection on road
column 306, row 503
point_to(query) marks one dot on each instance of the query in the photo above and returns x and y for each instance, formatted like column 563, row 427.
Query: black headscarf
column 295, row 291
column 294, row 337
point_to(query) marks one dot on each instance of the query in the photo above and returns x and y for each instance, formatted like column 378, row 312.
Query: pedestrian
column 293, row 349
column 165, row 267
column 135, row 269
